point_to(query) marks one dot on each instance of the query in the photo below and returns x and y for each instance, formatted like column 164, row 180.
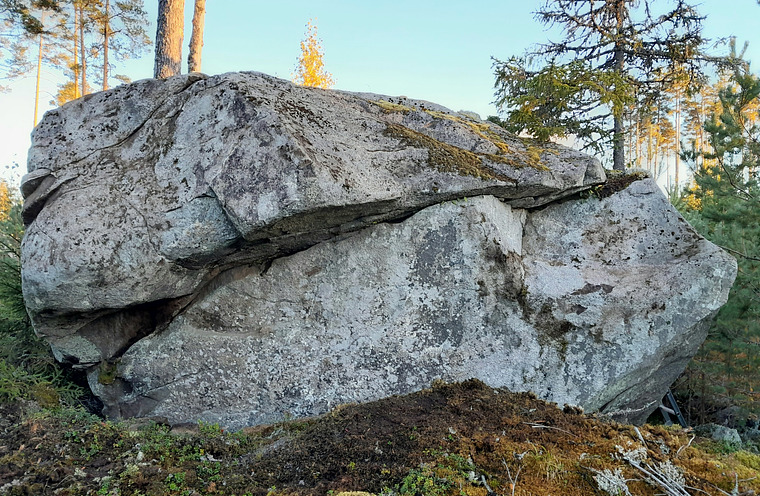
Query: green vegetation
column 27, row 367
column 446, row 157
column 724, row 206
column 613, row 54
column 450, row 440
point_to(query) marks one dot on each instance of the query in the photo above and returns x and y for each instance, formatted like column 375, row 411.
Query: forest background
column 446, row 58
column 438, row 51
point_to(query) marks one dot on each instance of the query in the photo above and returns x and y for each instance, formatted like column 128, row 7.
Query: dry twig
column 512, row 482
column 541, row 426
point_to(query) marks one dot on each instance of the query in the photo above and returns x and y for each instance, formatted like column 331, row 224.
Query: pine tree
column 122, row 34
column 310, row 70
column 21, row 30
column 21, row 13
column 90, row 35
column 69, row 49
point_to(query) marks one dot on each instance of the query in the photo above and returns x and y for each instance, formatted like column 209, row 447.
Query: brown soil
column 458, row 439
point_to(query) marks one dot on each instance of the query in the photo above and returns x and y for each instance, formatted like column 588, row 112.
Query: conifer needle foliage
column 613, row 53
column 27, row 367
column 724, row 206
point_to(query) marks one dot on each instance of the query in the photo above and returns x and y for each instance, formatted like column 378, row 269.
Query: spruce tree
column 614, row 53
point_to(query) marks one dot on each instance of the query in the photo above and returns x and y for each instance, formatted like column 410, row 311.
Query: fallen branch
column 541, row 426
column 685, row 446
column 658, row 477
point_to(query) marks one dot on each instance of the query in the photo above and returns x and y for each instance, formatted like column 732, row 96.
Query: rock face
column 236, row 248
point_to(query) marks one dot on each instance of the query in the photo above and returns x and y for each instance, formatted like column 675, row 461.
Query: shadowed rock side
column 236, row 248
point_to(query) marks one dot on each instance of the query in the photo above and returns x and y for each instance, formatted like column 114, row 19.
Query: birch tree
column 310, row 70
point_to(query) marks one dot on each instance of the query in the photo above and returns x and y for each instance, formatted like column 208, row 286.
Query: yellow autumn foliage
column 6, row 201
column 310, row 70
column 693, row 197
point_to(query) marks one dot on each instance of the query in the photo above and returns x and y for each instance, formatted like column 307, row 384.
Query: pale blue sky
column 436, row 50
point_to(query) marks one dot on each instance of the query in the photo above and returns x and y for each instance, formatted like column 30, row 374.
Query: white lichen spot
column 612, row 482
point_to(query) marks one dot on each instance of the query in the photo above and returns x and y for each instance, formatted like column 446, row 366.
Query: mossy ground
column 458, row 439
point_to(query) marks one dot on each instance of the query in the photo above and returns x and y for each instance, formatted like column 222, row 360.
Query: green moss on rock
column 392, row 107
column 45, row 394
column 107, row 374
column 530, row 156
column 446, row 157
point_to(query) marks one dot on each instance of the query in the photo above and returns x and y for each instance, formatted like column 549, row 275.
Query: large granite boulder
column 236, row 248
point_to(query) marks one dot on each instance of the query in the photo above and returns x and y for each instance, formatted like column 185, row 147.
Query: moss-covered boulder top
column 236, row 248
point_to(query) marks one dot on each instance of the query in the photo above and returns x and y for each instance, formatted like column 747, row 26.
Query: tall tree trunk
column 700, row 130
column 618, row 151
column 77, row 93
column 196, row 37
column 650, row 131
column 638, row 141
column 630, row 137
column 677, row 145
column 169, row 34
column 658, row 143
column 106, row 34
column 618, row 139
column 81, row 48
column 39, row 74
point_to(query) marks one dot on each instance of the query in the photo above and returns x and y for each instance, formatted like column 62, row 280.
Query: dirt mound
column 463, row 438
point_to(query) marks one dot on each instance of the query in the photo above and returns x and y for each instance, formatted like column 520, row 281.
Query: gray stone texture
column 236, row 248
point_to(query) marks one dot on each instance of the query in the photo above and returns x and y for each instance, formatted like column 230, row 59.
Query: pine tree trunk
column 618, row 143
column 658, row 143
column 638, row 141
column 169, row 34
column 701, row 128
column 677, row 145
column 81, row 49
column 650, row 130
column 618, row 138
column 630, row 139
column 77, row 93
column 106, row 34
column 196, row 37
column 39, row 74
